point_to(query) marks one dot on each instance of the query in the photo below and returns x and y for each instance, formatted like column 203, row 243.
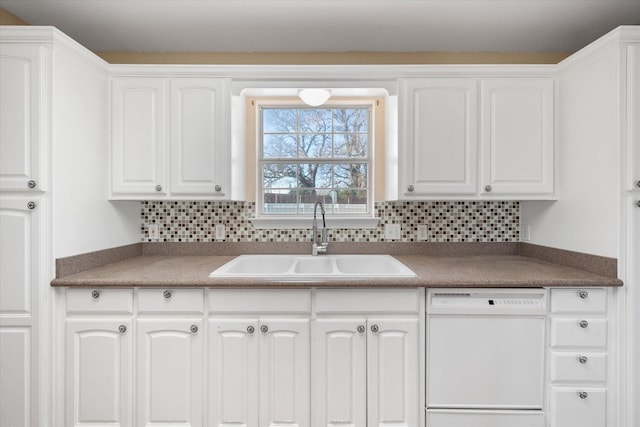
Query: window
column 315, row 153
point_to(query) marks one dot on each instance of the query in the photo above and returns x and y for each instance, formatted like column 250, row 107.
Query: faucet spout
column 315, row 247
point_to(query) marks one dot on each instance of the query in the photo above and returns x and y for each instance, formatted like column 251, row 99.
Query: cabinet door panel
column 633, row 71
column 339, row 372
column 20, row 116
column 285, row 373
column 169, row 372
column 197, row 137
column 517, row 136
column 98, row 369
column 233, row 372
column 138, row 136
column 15, row 376
column 392, row 367
column 441, row 141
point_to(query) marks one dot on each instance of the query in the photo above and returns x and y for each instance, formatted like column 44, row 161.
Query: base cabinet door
column 98, row 373
column 169, row 372
column 339, row 381
column 392, row 364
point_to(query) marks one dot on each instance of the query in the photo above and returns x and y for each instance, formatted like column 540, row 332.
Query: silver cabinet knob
column 218, row 188
column 166, row 294
column 122, row 329
column 582, row 359
column 410, row 189
column 583, row 324
column 638, row 203
column 361, row 328
column 31, row 205
column 638, row 184
column 583, row 394
column 31, row 184
column 250, row 329
column 193, row 329
column 374, row 328
column 95, row 294
column 158, row 187
column 264, row 329
column 583, row 294
column 488, row 188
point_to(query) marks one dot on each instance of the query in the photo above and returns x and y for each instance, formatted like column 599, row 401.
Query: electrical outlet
column 525, row 233
column 392, row 231
column 422, row 233
column 221, row 232
column 153, row 231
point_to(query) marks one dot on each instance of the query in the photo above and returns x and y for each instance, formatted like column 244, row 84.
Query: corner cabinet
column 170, row 138
column 469, row 138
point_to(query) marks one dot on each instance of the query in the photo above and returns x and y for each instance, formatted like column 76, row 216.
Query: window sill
column 280, row 223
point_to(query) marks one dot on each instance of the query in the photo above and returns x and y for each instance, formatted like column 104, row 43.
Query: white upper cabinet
column 456, row 143
column 633, row 126
column 517, row 136
column 170, row 138
column 21, row 130
column 440, row 155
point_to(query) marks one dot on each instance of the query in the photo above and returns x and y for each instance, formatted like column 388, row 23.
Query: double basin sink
column 307, row 267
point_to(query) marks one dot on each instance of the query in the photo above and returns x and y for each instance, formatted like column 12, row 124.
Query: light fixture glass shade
column 314, row 97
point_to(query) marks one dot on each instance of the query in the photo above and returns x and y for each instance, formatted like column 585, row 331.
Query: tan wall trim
column 330, row 58
column 8, row 18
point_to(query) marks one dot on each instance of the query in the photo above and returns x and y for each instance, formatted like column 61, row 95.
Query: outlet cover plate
column 221, row 232
column 153, row 231
column 392, row 231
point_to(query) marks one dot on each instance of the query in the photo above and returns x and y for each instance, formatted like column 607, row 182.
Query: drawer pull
column 193, row 329
column 122, row 329
column 264, row 329
column 583, row 294
column 583, row 324
column 166, row 294
column 583, row 394
column 31, row 184
column 583, row 359
column 95, row 294
column 250, row 329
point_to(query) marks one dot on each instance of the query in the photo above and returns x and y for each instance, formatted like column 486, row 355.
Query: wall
column 8, row 18
column 585, row 218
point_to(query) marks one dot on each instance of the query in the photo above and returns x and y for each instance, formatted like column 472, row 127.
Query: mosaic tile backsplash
column 446, row 221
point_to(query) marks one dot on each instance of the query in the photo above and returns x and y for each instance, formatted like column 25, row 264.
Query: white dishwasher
column 485, row 357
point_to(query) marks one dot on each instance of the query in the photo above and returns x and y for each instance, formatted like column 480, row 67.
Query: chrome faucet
column 322, row 247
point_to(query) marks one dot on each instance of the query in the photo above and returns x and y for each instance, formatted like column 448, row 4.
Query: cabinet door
column 20, row 272
column 633, row 114
column 439, row 149
column 138, row 136
column 199, row 140
column 392, row 372
column 339, row 361
column 169, row 372
column 98, row 373
column 233, row 372
column 284, row 373
column 517, row 137
column 21, row 131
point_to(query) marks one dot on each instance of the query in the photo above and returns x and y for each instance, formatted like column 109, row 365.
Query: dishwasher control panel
column 486, row 302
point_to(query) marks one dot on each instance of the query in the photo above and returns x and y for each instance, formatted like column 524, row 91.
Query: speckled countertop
column 432, row 271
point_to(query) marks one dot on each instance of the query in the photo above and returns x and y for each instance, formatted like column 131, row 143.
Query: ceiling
column 330, row 25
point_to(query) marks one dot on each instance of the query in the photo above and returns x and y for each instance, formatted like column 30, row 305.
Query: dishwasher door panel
column 485, row 362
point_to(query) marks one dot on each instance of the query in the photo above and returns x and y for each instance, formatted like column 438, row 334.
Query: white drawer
column 106, row 301
column 567, row 332
column 458, row 418
column 585, row 300
column 370, row 301
column 184, row 301
column 578, row 367
column 568, row 409
column 260, row 301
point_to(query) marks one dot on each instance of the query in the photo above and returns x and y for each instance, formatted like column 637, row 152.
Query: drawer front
column 568, row 333
column 453, row 418
column 587, row 301
column 260, row 301
column 185, row 301
column 370, row 301
column 579, row 367
column 106, row 301
column 568, row 409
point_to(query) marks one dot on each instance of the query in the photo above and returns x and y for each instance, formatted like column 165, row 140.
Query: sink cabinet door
column 285, row 384
column 392, row 367
column 339, row 363
column 233, row 372
column 169, row 372
column 98, row 373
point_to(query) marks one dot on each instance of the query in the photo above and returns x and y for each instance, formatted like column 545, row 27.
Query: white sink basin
column 307, row 267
